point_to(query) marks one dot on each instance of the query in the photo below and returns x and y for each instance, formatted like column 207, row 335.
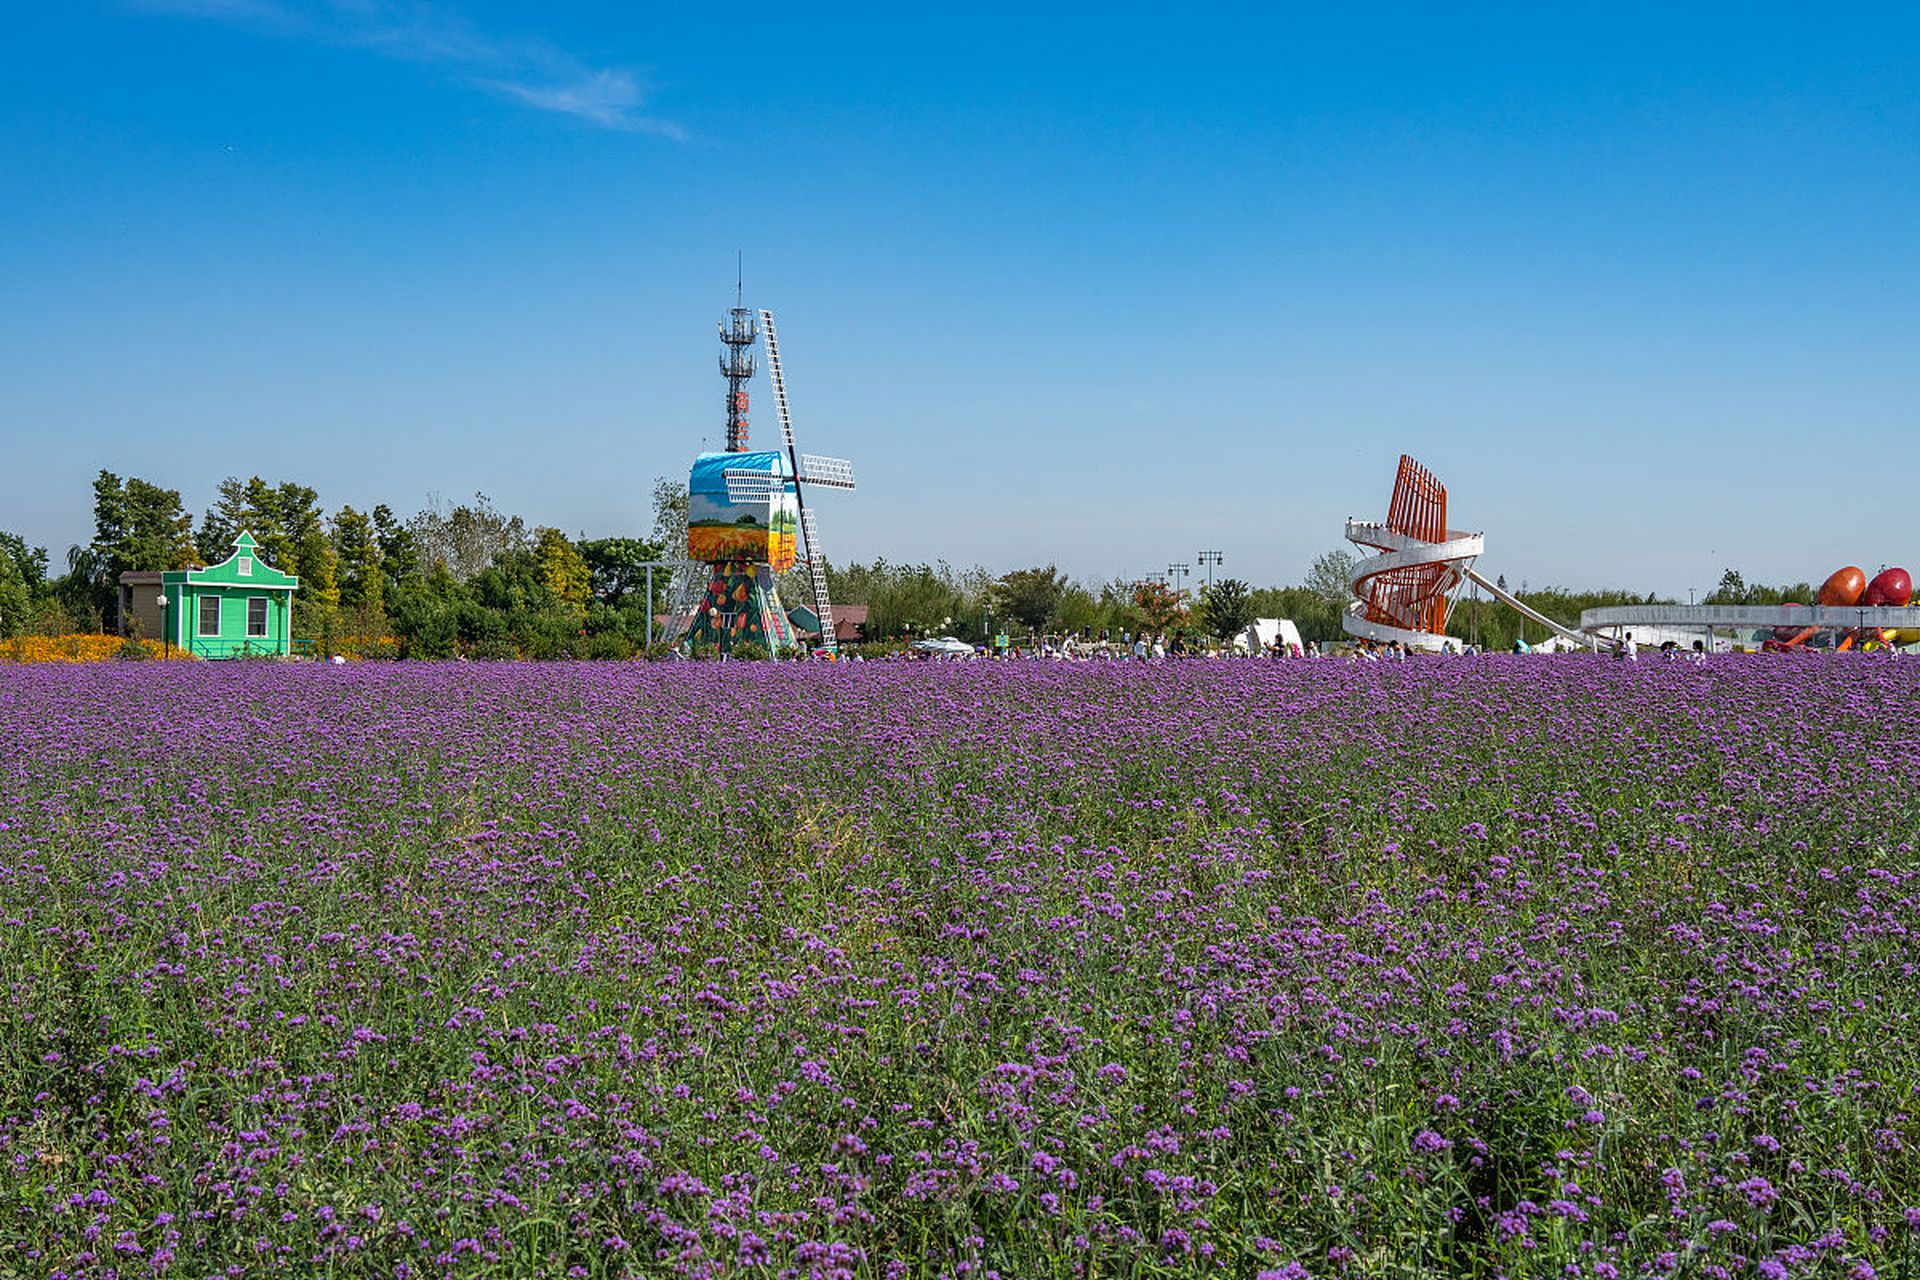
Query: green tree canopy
column 16, row 599
column 356, row 548
column 399, row 552
column 1031, row 596
column 1226, row 608
column 617, row 567
column 1331, row 576
column 31, row 562
column 136, row 525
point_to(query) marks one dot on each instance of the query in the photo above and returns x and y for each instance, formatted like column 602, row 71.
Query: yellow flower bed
column 82, row 648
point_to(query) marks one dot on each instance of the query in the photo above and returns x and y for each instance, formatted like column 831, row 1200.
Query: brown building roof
column 849, row 623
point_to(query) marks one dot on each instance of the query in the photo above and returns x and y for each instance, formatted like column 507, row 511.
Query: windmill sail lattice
column 809, row 470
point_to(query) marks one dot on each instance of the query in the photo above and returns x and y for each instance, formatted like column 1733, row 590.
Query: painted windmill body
column 747, row 516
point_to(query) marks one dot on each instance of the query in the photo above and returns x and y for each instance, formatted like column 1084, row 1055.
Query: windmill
column 746, row 513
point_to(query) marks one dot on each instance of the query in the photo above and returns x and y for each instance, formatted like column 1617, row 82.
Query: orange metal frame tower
column 1413, row 596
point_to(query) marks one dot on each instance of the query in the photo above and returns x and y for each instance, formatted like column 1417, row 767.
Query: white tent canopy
column 1259, row 636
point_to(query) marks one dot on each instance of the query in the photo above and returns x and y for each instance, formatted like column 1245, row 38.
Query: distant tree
column 911, row 596
column 1079, row 610
column 356, row 548
column 513, row 584
column 1226, row 608
column 305, row 547
column 288, row 527
column 79, row 589
column 1732, row 589
column 670, row 516
column 562, row 568
column 466, row 538
column 1118, row 614
column 618, row 567
column 1031, row 596
column 230, row 512
column 136, row 525
column 30, row 561
column 399, row 552
column 1331, row 576
column 1159, row 606
column 424, row 616
column 16, row 598
column 250, row 506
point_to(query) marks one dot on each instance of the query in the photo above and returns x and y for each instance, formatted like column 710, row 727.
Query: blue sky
column 1092, row 284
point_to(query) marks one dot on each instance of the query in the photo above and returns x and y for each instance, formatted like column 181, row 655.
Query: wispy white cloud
column 605, row 97
column 528, row 71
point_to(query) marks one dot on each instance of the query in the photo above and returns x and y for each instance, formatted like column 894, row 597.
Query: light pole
column 1211, row 559
column 166, row 635
column 1177, row 571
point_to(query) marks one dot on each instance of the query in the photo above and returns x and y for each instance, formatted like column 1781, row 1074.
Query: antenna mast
column 737, row 331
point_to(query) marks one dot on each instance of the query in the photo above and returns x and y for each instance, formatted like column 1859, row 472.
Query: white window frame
column 265, row 621
column 200, row 615
column 246, row 566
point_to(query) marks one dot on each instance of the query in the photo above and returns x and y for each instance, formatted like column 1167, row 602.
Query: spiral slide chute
column 1526, row 611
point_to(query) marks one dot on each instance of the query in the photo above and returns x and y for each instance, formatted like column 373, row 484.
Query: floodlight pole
column 1211, row 559
column 1176, row 572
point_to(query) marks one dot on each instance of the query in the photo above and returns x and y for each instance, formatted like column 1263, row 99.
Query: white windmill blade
column 827, row 473
column 744, row 485
column 817, row 572
column 779, row 378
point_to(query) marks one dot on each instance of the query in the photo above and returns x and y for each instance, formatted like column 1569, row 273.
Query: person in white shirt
column 1631, row 651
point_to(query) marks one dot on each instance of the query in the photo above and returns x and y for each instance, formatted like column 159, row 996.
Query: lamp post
column 1211, row 559
column 166, row 636
column 1175, row 572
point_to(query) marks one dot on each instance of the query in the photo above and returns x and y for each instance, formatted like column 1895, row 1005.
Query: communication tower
column 739, row 334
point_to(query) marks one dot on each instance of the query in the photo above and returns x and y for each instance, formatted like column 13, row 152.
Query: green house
column 241, row 607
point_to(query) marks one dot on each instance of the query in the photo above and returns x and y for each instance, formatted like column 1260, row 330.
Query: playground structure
column 747, row 517
column 1406, row 592
column 1848, row 588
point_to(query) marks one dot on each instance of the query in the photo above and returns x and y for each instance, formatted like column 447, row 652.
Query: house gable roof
column 228, row 573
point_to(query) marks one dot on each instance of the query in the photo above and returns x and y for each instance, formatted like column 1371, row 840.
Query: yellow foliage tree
column 562, row 568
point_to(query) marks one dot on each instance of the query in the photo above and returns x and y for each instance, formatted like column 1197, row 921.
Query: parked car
column 943, row 647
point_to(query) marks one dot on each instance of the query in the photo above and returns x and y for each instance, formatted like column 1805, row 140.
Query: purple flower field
column 1502, row 966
